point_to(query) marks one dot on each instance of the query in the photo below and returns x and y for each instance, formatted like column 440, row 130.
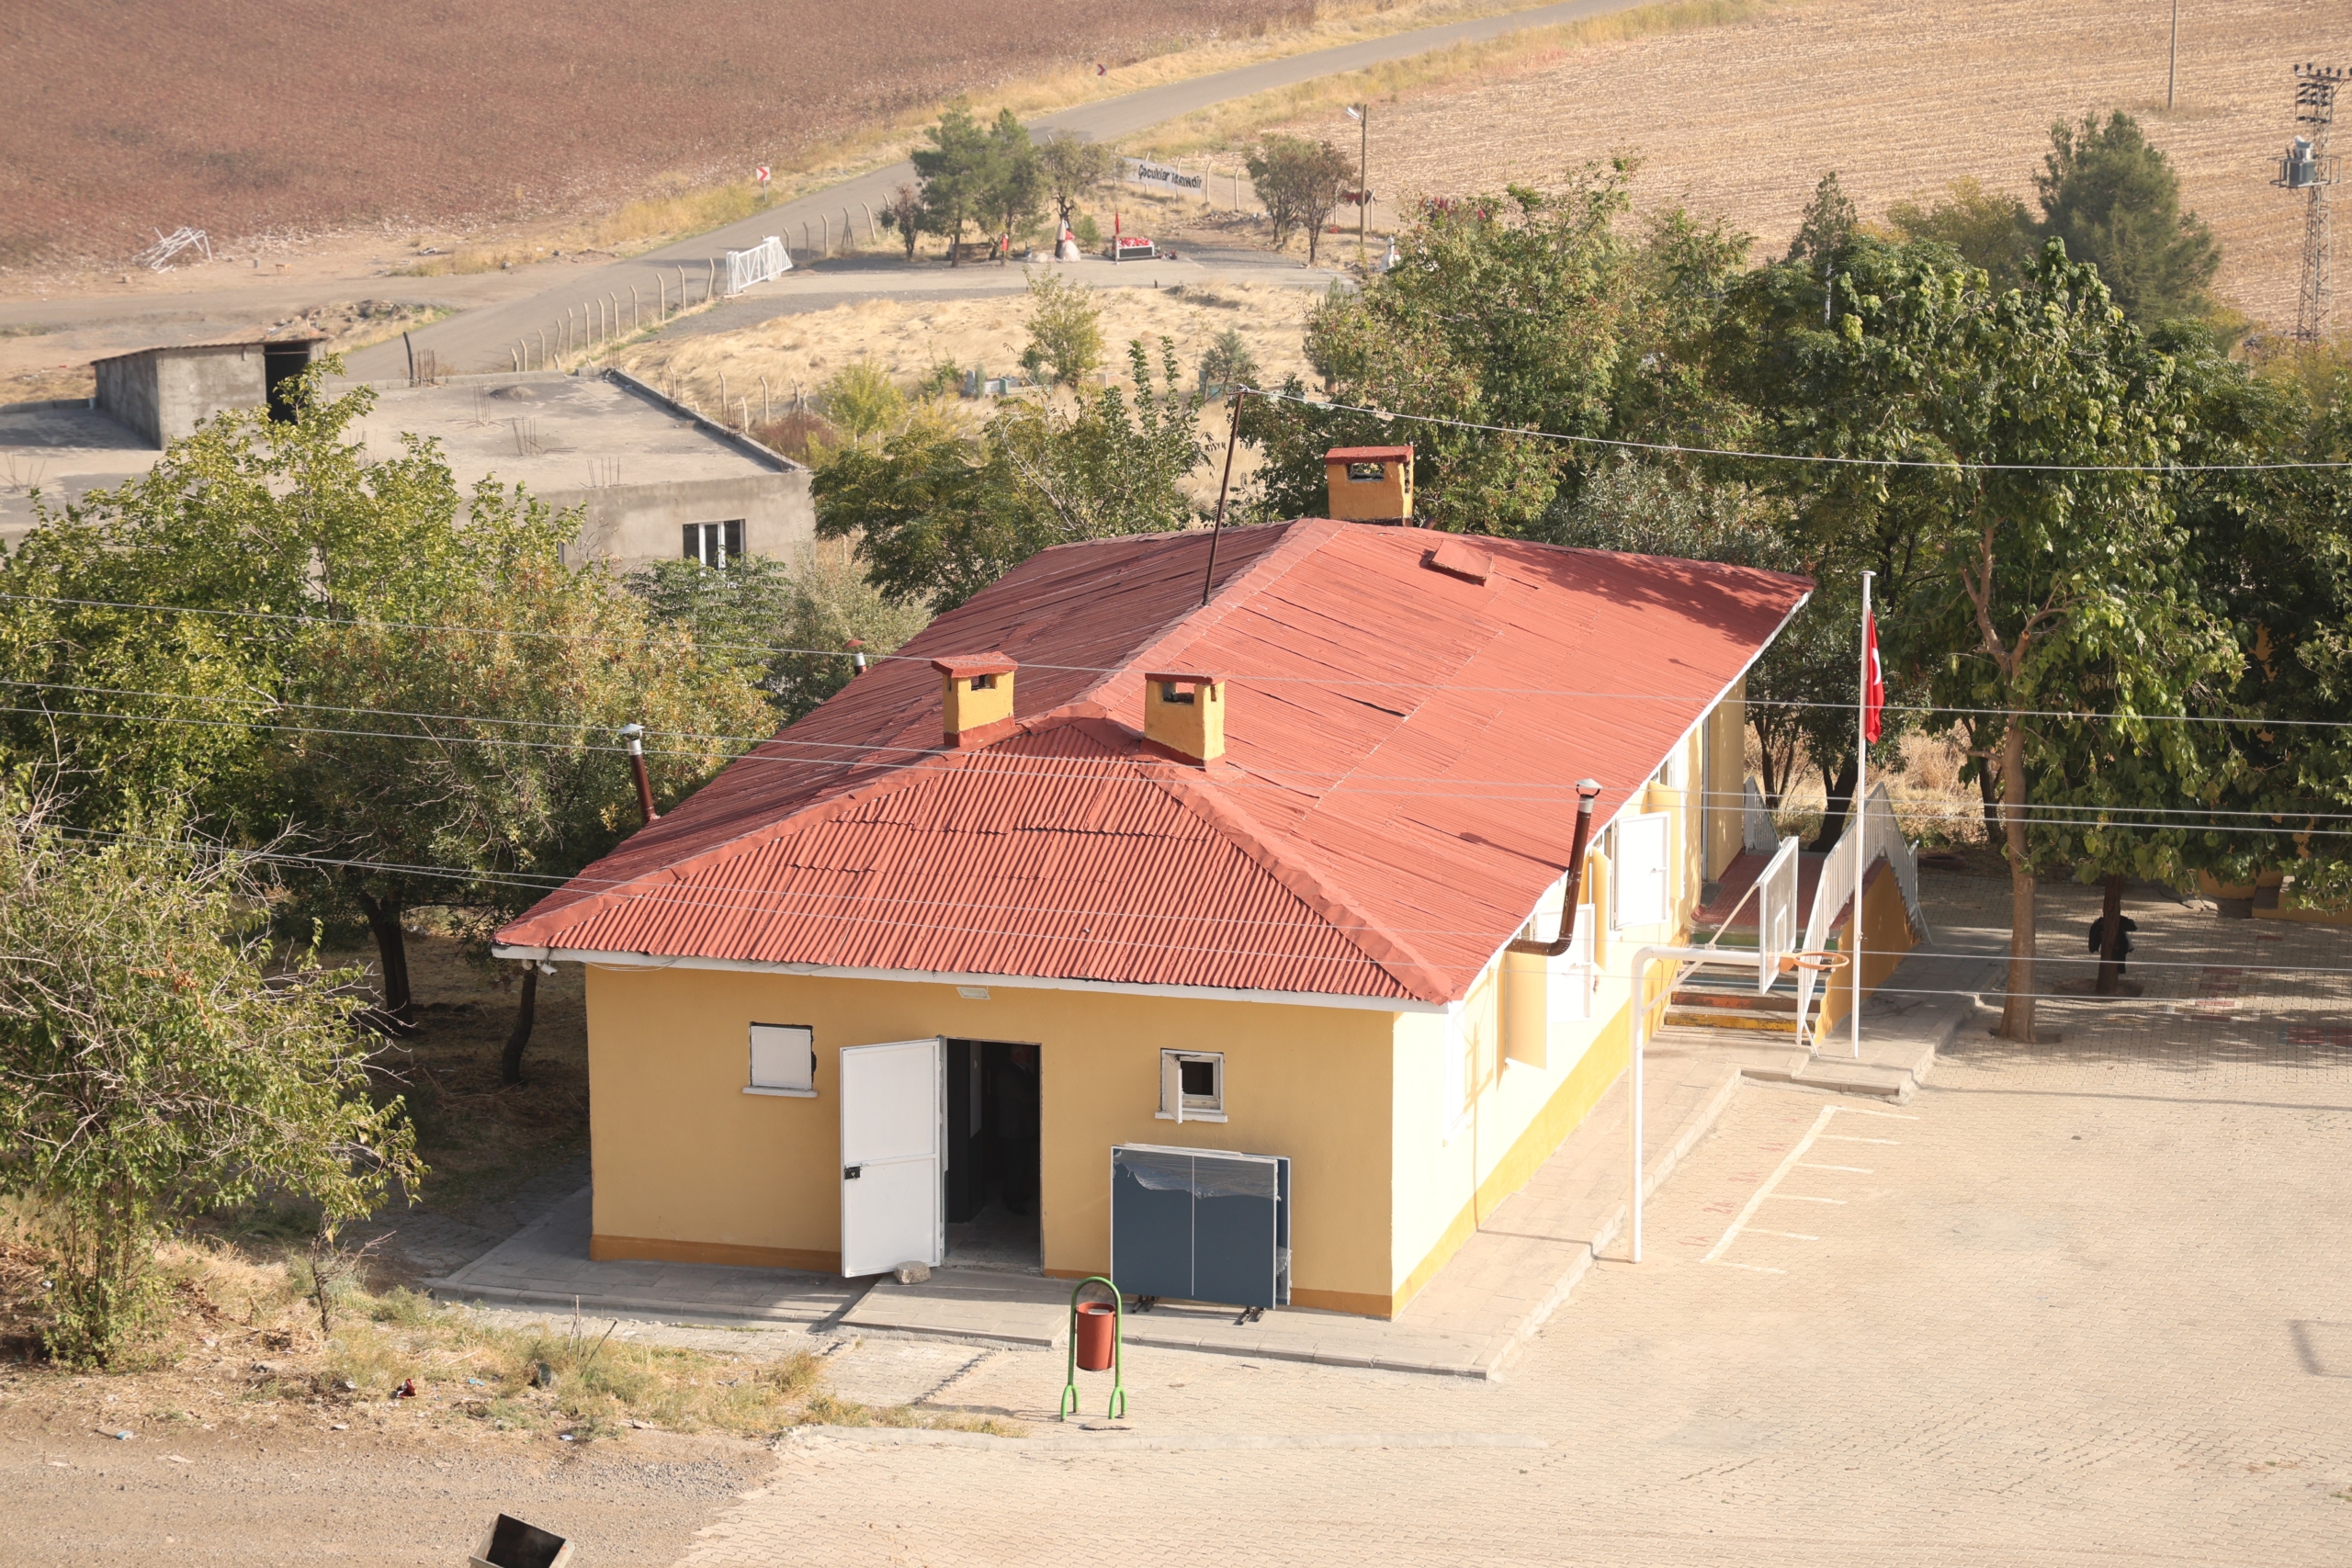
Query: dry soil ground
column 1900, row 98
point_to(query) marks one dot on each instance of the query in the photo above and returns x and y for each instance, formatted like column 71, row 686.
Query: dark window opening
column 983, row 682
column 1169, row 693
column 280, row 363
column 1197, row 1077
column 715, row 544
column 1367, row 470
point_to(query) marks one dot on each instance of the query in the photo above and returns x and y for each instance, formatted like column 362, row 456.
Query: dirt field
column 239, row 117
column 906, row 337
column 1900, row 99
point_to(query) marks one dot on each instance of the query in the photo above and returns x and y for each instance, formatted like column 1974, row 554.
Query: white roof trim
column 938, row 977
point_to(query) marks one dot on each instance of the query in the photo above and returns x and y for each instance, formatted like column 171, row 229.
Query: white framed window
column 1192, row 1085
column 783, row 1060
column 715, row 544
column 1640, row 881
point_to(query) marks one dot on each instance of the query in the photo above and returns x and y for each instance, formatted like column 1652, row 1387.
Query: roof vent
column 974, row 696
column 1185, row 713
column 1457, row 558
column 1370, row 484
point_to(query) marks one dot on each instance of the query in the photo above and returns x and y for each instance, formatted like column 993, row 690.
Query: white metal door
column 894, row 1131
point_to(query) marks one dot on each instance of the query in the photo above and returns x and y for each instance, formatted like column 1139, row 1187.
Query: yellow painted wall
column 1886, row 931
column 689, row 1167
column 1727, row 772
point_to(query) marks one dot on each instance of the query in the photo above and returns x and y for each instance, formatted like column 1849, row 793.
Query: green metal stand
column 1117, row 1408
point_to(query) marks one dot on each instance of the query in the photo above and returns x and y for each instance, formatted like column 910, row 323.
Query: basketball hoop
column 1819, row 962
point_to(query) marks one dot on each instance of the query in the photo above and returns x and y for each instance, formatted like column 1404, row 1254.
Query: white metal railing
column 762, row 262
column 1880, row 837
column 1756, row 834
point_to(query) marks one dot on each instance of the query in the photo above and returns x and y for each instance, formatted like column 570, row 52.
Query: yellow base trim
column 659, row 1249
column 1603, row 1062
column 2301, row 916
column 1361, row 1303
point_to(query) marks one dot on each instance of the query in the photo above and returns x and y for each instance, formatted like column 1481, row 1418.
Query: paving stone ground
column 2087, row 1304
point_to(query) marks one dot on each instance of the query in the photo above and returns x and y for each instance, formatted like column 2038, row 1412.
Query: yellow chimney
column 976, row 690
column 1185, row 713
column 1370, row 484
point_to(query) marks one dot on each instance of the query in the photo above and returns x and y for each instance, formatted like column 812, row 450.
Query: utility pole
column 1362, row 115
column 2172, row 65
column 2309, row 167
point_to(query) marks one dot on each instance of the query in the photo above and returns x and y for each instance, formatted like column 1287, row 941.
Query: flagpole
column 1854, row 812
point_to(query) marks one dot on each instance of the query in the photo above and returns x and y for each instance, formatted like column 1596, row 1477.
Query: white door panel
column 894, row 1114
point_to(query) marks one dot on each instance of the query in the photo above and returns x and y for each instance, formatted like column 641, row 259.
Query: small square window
column 1170, row 692
column 715, row 544
column 983, row 683
column 784, row 1059
column 1193, row 1081
column 1364, row 473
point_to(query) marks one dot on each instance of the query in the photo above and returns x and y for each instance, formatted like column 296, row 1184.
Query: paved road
column 481, row 339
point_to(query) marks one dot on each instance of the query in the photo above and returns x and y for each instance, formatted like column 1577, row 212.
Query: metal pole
column 1363, row 170
column 1232, row 432
column 2172, row 65
column 1641, row 1032
column 1854, row 812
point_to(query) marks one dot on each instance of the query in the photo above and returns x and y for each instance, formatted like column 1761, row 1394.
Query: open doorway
column 992, row 1157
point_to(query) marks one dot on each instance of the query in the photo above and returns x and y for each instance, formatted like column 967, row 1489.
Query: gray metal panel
column 1151, row 1224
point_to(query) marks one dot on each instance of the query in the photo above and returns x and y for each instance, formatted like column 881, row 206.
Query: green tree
column 306, row 643
column 2115, row 201
column 1828, row 224
column 956, row 177
column 1512, row 312
column 159, row 1060
column 905, row 213
column 1072, row 168
column 1065, row 331
column 1016, row 181
column 790, row 626
column 1984, row 228
column 862, row 399
column 938, row 515
column 1228, row 363
column 1299, row 183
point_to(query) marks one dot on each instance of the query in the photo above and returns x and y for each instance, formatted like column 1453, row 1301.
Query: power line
column 2101, row 818
column 786, row 738
column 1950, row 466
column 1925, row 709
column 670, row 899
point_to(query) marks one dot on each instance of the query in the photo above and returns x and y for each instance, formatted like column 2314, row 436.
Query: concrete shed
column 161, row 394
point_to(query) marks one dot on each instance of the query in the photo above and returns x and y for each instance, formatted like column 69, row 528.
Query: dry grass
column 1228, row 126
column 796, row 354
column 1936, row 808
column 242, row 1344
column 1743, row 118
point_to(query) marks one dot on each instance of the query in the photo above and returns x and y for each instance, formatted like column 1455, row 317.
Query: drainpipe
column 635, row 735
column 857, row 656
column 1586, row 790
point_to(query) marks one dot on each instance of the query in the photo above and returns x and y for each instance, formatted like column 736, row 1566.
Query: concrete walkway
column 1528, row 1254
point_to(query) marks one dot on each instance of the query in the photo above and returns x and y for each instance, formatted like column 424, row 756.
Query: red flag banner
column 1874, row 685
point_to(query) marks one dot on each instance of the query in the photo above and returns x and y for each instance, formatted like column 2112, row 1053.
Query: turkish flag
column 1874, row 682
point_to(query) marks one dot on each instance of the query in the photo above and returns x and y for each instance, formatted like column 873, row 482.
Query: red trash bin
column 1097, row 1325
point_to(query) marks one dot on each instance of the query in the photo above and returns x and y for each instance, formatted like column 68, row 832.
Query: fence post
column 710, row 281
column 632, row 308
column 825, row 232
column 873, row 235
column 765, row 414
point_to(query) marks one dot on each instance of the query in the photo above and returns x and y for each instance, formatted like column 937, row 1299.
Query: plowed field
column 246, row 115
column 1900, row 98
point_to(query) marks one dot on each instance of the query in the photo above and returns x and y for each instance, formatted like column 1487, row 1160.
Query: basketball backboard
column 1776, row 913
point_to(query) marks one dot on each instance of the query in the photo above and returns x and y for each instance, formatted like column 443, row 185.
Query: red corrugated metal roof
column 1365, row 454
column 1394, row 797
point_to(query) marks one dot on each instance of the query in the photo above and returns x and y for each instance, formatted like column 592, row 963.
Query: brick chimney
column 1185, row 713
column 975, row 697
column 1370, row 484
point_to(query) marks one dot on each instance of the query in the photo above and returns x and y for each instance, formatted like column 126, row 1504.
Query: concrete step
column 1757, row 1023
column 1749, row 1000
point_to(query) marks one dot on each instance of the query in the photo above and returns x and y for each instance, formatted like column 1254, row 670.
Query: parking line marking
column 1756, row 1200
column 1848, row 1169
column 1850, row 1138
column 1786, row 1236
column 1801, row 1197
column 1751, row 1267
